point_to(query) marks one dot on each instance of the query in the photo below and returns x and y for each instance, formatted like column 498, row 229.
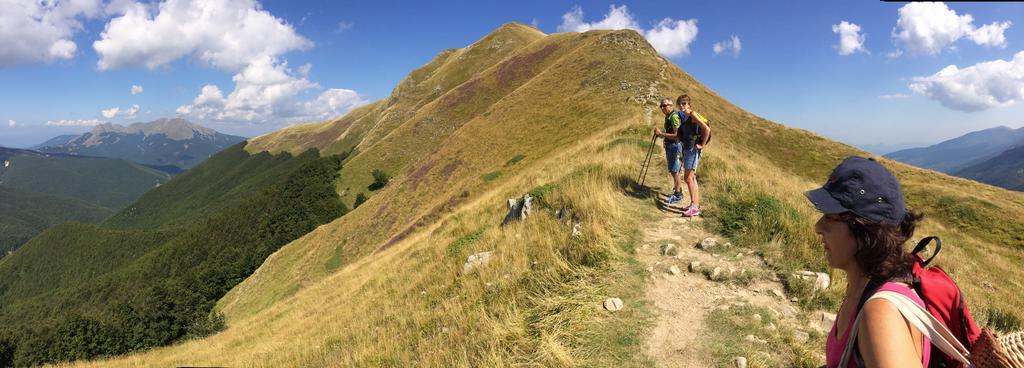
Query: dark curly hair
column 880, row 252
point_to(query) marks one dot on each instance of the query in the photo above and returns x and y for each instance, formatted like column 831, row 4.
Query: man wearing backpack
column 694, row 135
column 672, row 147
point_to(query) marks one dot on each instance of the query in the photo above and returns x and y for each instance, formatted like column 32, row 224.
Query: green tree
column 360, row 198
column 380, row 179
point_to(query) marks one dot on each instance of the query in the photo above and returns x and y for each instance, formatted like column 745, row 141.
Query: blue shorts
column 691, row 157
column 672, row 151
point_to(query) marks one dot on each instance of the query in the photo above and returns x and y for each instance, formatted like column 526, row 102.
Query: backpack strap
column 923, row 244
column 923, row 321
column 870, row 289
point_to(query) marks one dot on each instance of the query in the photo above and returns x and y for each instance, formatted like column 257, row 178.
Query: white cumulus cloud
column 730, row 46
column 42, row 31
column 851, row 40
column 226, row 34
column 136, row 89
column 113, row 112
column 110, row 113
column 618, row 17
column 11, row 123
column 74, row 122
column 670, row 37
column 673, row 37
column 928, row 28
column 267, row 91
column 978, row 87
column 234, row 36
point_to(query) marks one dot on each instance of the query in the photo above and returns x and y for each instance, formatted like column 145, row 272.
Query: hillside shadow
column 633, row 189
column 665, row 207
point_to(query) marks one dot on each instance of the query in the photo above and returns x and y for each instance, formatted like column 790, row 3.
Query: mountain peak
column 164, row 142
column 176, row 129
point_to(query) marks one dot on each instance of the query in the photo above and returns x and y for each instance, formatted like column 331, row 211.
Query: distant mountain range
column 993, row 156
column 170, row 145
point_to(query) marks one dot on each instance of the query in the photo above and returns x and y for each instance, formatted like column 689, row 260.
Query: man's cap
column 864, row 187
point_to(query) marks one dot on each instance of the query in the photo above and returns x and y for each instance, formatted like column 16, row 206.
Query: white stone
column 669, row 249
column 613, row 304
column 674, row 270
column 707, row 243
column 476, row 260
column 822, row 281
column 740, row 362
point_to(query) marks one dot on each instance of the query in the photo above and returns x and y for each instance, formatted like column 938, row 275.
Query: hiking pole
column 647, row 161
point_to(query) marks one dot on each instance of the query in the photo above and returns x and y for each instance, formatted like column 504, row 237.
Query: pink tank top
column 834, row 345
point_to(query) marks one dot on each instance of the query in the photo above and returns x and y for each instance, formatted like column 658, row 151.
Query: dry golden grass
column 538, row 303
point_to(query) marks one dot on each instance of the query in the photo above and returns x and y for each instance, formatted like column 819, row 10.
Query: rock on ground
column 476, row 260
column 613, row 304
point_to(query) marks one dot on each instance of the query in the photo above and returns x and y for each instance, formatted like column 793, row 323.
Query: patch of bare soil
column 682, row 301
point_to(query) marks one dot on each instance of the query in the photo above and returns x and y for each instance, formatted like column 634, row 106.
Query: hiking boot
column 692, row 211
column 673, row 199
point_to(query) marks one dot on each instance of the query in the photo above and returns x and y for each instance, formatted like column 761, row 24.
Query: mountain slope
column 55, row 141
column 38, row 190
column 958, row 153
column 567, row 118
column 164, row 142
column 24, row 214
column 105, row 182
column 1004, row 170
column 151, row 275
column 367, row 125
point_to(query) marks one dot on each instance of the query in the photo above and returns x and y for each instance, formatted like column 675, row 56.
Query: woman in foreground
column 863, row 226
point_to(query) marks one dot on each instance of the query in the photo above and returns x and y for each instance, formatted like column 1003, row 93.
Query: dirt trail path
column 682, row 301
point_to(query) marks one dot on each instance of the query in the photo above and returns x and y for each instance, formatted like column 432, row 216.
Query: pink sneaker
column 692, row 211
column 688, row 207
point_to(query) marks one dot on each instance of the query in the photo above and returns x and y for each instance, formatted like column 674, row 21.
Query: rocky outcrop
column 518, row 209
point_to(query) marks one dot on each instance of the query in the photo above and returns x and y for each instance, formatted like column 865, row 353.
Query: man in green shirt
column 673, row 147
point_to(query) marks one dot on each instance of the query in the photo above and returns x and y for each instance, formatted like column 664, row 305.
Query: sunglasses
column 664, row 105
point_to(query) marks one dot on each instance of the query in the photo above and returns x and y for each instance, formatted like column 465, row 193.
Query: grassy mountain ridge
column 384, row 286
column 455, row 166
column 375, row 121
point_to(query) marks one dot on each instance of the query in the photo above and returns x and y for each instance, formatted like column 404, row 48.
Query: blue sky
column 255, row 66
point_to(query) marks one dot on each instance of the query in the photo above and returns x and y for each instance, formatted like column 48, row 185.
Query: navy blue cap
column 862, row 186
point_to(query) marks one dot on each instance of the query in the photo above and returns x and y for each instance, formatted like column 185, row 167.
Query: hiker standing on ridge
column 863, row 226
column 693, row 135
column 672, row 147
